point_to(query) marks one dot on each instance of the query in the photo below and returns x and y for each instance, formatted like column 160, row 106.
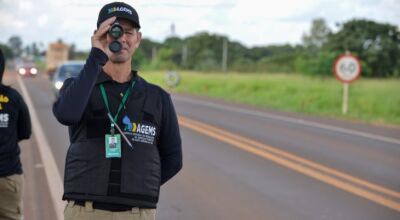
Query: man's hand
column 99, row 38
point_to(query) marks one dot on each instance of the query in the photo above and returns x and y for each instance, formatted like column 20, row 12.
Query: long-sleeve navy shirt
column 74, row 96
column 15, row 125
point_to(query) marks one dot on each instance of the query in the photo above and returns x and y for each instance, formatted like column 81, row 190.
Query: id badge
column 113, row 146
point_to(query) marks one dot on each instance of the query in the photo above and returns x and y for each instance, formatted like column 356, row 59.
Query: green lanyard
column 121, row 104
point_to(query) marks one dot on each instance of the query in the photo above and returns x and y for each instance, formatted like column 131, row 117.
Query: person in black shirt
column 15, row 125
column 124, row 132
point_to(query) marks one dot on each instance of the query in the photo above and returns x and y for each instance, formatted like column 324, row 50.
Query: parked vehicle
column 64, row 71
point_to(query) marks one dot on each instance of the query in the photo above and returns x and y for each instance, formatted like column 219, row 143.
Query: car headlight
column 22, row 71
column 34, row 71
column 58, row 85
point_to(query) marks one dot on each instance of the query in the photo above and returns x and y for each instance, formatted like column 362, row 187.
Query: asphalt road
column 241, row 162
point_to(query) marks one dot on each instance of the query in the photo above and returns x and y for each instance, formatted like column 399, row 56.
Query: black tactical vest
column 87, row 169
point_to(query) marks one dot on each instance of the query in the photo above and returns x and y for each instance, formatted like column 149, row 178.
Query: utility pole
column 184, row 54
column 153, row 54
column 224, row 54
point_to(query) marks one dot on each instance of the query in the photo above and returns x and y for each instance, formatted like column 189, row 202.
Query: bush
column 322, row 64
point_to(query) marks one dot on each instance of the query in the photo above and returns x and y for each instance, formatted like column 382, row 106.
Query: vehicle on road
column 27, row 69
column 57, row 53
column 64, row 71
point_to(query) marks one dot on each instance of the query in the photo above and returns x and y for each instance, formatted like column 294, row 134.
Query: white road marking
column 291, row 120
column 39, row 165
column 50, row 167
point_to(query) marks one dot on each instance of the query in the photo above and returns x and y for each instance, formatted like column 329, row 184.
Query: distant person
column 15, row 125
column 105, row 177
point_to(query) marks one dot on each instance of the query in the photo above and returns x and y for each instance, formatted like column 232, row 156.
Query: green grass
column 370, row 100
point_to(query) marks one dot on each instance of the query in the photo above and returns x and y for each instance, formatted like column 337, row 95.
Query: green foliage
column 376, row 44
column 320, row 64
column 205, row 51
column 244, row 65
column 147, row 46
column 7, row 52
column 277, row 63
column 139, row 60
column 317, row 37
column 175, row 45
column 15, row 44
column 163, row 60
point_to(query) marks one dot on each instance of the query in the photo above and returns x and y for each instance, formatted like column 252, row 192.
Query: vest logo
column 137, row 127
column 140, row 132
column 123, row 9
column 4, row 118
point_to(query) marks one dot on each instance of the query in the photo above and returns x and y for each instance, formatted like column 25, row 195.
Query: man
column 116, row 165
column 15, row 125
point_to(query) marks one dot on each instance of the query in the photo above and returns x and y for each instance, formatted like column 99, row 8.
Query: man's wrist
column 99, row 55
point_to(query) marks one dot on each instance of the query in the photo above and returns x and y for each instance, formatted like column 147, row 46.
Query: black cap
column 120, row 10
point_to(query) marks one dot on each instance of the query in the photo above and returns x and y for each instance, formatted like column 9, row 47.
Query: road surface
column 240, row 162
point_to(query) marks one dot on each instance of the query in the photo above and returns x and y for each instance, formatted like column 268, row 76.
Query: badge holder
column 113, row 144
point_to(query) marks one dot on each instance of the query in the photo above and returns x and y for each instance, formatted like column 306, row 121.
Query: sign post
column 347, row 68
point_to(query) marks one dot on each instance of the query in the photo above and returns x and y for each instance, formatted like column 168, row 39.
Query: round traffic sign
column 347, row 68
column 172, row 78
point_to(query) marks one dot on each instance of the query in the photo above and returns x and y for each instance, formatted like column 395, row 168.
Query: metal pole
column 224, row 55
column 184, row 53
column 345, row 98
column 153, row 53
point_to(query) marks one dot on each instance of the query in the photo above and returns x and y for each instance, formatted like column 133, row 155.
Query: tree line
column 376, row 44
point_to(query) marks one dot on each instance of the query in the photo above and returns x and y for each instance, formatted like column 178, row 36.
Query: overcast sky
column 251, row 22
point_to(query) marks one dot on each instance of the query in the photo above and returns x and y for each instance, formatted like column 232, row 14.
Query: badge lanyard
column 113, row 141
column 121, row 104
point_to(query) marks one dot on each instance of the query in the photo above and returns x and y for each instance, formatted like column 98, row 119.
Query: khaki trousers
column 10, row 197
column 75, row 212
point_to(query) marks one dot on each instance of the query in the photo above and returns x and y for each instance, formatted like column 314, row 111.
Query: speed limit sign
column 347, row 68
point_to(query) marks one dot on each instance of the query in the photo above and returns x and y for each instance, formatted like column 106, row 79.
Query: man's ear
column 139, row 39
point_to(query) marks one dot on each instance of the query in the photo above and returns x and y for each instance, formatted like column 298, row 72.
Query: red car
column 27, row 69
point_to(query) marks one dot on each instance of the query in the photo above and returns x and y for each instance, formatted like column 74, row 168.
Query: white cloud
column 42, row 20
column 25, row 6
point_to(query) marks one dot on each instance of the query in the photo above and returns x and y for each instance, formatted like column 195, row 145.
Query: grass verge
column 370, row 100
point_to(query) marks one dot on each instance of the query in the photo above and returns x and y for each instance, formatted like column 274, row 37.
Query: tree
column 164, row 59
column 139, row 60
column 7, row 52
column 146, row 47
column 15, row 43
column 319, row 64
column 72, row 51
column 317, row 37
column 35, row 49
column 175, row 44
column 376, row 44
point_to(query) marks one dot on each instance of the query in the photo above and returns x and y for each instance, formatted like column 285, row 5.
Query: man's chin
column 115, row 58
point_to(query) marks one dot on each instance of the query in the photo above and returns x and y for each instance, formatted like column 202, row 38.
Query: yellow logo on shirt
column 4, row 98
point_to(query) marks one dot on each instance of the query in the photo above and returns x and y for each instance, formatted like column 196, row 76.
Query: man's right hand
column 99, row 38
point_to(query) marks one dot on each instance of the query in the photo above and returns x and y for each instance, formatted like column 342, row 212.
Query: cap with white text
column 120, row 10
